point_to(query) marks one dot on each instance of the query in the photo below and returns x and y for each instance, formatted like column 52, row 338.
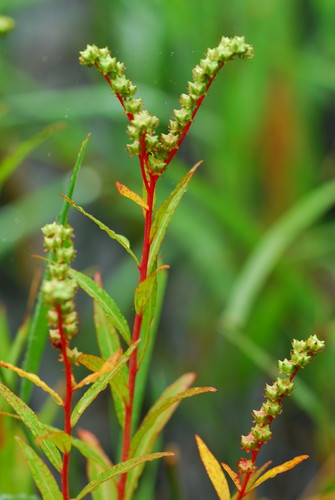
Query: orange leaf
column 279, row 469
column 124, row 191
column 214, row 471
column 233, row 476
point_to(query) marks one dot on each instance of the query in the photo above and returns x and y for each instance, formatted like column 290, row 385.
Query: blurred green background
column 252, row 245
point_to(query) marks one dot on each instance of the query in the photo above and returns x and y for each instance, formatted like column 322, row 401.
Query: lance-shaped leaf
column 99, row 385
column 59, row 438
column 112, row 234
column 109, row 342
column 124, row 191
column 89, row 452
column 233, row 476
column 144, row 291
column 42, row 476
column 31, row 420
column 214, row 470
column 279, row 469
column 106, row 303
column 118, row 383
column 106, row 367
column 164, row 215
column 120, row 469
column 107, row 489
column 157, row 417
column 35, row 379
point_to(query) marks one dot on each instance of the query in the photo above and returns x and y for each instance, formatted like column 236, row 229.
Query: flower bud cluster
column 260, row 433
column 58, row 290
column 203, row 74
column 142, row 124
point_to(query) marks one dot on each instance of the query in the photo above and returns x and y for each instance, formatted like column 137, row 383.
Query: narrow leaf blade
column 233, row 476
column 106, row 303
column 214, row 470
column 43, row 478
column 99, row 385
column 164, row 215
column 112, row 234
column 35, row 379
column 120, row 469
column 279, row 469
column 31, row 420
column 124, row 191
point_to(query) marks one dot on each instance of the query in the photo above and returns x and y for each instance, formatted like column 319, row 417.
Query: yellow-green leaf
column 233, row 476
column 31, row 420
column 59, row 438
column 99, row 385
column 107, row 366
column 112, row 234
column 104, row 300
column 35, row 379
column 279, row 469
column 144, row 291
column 124, row 191
column 43, row 478
column 214, row 470
column 119, row 469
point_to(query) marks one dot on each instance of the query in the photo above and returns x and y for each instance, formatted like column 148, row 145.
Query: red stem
column 150, row 185
column 67, row 403
column 254, row 453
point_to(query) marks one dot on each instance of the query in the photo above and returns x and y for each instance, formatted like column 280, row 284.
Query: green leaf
column 109, row 342
column 120, row 469
column 31, row 420
column 164, row 215
column 118, row 237
column 106, row 303
column 107, row 489
column 43, row 478
column 214, row 470
column 59, row 438
column 279, row 469
column 99, row 386
column 63, row 216
column 88, row 451
column 9, row 164
column 267, row 253
column 144, row 291
column 157, row 417
column 35, row 379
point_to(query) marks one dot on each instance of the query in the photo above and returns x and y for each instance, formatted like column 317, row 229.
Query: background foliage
column 266, row 133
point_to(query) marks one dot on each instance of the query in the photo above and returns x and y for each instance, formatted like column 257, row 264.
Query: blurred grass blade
column 105, row 302
column 38, row 328
column 31, row 420
column 43, row 478
column 214, row 470
column 9, row 164
column 267, row 253
column 63, row 216
column 119, row 469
